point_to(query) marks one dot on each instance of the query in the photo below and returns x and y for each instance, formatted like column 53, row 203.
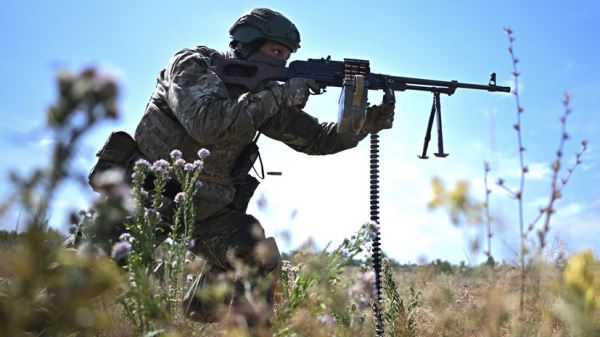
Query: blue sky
column 460, row 40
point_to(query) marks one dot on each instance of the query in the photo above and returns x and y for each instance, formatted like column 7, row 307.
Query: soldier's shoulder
column 198, row 52
column 207, row 52
column 193, row 57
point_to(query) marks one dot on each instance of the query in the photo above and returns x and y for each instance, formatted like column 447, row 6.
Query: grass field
column 135, row 286
column 322, row 294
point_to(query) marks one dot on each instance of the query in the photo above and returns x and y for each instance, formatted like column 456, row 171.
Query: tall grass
column 135, row 285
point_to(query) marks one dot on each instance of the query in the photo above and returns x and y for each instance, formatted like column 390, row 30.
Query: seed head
column 198, row 165
column 120, row 250
column 175, row 154
column 179, row 162
column 203, row 153
column 161, row 166
column 142, row 163
column 584, row 143
column 188, row 167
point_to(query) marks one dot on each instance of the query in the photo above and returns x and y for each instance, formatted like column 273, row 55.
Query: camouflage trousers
column 236, row 252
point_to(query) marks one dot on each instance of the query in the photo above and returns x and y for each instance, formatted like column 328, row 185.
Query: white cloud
column 511, row 169
column 538, row 171
column 576, row 224
column 46, row 141
column 538, row 202
column 331, row 194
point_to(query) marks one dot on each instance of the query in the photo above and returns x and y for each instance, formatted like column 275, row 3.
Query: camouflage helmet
column 263, row 23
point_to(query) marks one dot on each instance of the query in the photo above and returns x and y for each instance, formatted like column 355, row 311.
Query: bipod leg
column 438, row 108
column 428, row 131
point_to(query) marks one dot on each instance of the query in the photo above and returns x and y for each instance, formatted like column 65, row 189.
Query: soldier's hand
column 294, row 92
column 379, row 117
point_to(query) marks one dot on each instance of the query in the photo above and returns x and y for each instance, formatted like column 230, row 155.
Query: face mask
column 262, row 57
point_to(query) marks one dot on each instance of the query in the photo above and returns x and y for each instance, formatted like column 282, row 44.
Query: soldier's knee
column 267, row 257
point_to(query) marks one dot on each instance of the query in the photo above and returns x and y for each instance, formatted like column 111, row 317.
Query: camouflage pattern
column 379, row 117
column 191, row 108
column 221, row 240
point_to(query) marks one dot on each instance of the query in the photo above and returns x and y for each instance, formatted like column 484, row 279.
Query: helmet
column 263, row 23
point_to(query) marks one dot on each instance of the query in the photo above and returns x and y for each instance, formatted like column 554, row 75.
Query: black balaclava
column 251, row 52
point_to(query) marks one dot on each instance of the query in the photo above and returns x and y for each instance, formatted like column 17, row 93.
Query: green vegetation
column 135, row 285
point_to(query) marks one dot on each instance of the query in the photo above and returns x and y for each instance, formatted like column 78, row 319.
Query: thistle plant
column 179, row 240
column 150, row 262
column 46, row 290
column 84, row 100
column 139, row 304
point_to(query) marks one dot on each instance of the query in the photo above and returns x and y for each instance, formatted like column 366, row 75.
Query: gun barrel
column 399, row 83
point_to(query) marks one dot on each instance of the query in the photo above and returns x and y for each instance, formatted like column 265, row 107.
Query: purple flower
column 180, row 197
column 363, row 290
column 188, row 167
column 143, row 163
column 203, row 153
column 120, row 250
column 175, row 154
column 179, row 162
column 161, row 165
column 198, row 165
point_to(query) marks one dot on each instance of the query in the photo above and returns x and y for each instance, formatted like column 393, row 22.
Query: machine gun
column 350, row 74
column 355, row 78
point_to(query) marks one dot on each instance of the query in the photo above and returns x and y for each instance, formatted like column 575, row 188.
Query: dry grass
column 477, row 302
column 46, row 290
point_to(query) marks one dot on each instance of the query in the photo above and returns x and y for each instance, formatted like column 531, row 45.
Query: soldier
column 191, row 108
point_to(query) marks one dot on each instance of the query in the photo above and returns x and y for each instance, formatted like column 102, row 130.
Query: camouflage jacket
column 191, row 108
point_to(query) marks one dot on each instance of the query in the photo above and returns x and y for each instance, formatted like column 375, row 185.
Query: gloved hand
column 294, row 92
column 379, row 117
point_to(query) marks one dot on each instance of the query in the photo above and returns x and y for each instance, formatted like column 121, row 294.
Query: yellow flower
column 582, row 274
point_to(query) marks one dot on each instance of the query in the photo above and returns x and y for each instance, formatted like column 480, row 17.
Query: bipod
column 436, row 111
